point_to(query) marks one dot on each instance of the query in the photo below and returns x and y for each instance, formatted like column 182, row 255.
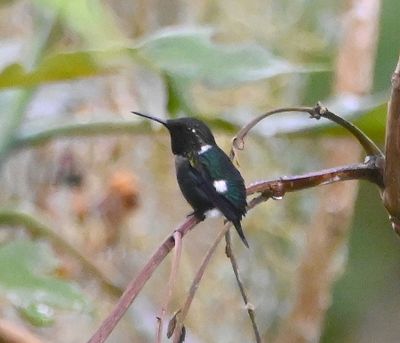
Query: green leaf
column 178, row 97
column 183, row 57
column 24, row 279
column 58, row 67
column 13, row 115
column 187, row 56
column 38, row 314
column 92, row 20
column 191, row 54
column 373, row 122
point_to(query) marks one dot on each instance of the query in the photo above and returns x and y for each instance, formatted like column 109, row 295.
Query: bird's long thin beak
column 151, row 118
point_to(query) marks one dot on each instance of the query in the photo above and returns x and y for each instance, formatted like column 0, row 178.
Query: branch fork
column 371, row 171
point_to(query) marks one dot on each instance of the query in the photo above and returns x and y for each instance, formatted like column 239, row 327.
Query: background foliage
column 72, row 70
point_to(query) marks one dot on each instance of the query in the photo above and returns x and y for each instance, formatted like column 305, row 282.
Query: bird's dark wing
column 218, row 200
column 232, row 204
column 214, row 164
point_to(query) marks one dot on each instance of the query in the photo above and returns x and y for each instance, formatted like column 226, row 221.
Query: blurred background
column 88, row 191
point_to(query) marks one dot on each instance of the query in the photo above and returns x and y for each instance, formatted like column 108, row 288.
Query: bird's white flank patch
column 213, row 213
column 204, row 148
column 220, row 186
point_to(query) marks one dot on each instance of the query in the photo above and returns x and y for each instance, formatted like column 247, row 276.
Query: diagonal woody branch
column 177, row 332
column 275, row 188
column 136, row 285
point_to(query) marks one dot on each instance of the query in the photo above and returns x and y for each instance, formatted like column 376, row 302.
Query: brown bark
column 391, row 194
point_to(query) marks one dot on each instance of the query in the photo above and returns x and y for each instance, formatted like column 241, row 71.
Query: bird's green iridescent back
column 220, row 167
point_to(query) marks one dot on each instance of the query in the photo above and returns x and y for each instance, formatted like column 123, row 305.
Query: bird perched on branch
column 206, row 176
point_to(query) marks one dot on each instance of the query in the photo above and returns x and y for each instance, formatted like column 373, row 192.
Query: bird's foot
column 198, row 214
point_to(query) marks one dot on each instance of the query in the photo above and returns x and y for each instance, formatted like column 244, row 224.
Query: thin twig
column 171, row 284
column 249, row 306
column 238, row 140
column 195, row 283
column 138, row 282
column 391, row 194
column 315, row 112
column 367, row 143
column 11, row 217
column 181, row 314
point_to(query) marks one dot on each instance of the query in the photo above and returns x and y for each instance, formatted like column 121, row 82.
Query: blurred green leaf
column 92, row 20
column 186, row 56
column 58, row 67
column 183, row 55
column 6, row 2
column 24, row 278
column 38, row 314
column 373, row 122
column 387, row 51
column 13, row 115
column 191, row 54
column 178, row 97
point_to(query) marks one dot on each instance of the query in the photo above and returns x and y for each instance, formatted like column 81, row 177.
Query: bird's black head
column 187, row 134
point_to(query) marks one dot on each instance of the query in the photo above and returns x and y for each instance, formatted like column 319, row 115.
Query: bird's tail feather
column 239, row 230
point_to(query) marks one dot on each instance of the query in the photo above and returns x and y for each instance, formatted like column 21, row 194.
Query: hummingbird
column 206, row 176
